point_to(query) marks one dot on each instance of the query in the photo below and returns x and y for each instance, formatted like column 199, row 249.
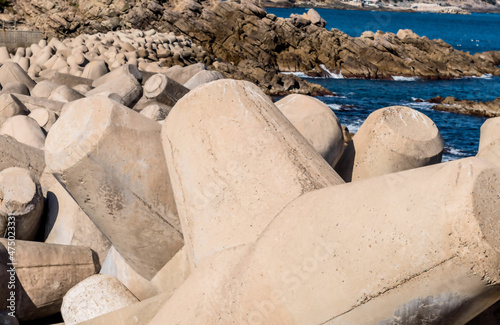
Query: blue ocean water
column 357, row 98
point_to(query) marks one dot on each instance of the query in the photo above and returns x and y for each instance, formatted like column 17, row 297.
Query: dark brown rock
column 467, row 107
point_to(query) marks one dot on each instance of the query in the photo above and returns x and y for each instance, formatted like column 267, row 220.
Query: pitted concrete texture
column 235, row 161
column 391, row 139
column 95, row 296
column 317, row 123
column 110, row 159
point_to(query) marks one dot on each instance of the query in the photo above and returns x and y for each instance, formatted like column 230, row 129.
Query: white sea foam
column 335, row 107
column 331, row 74
column 354, row 125
column 484, row 76
column 420, row 105
column 451, row 153
column 401, row 78
column 298, row 74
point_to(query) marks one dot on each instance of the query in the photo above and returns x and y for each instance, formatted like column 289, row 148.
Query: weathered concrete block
column 124, row 180
column 39, row 267
column 125, row 85
column 16, row 154
column 391, row 139
column 4, row 55
column 65, row 78
column 167, row 280
column 97, row 295
column 25, row 130
column 139, row 313
column 95, row 69
column 116, row 266
column 156, row 111
column 44, row 88
column 44, row 117
column 489, row 142
column 261, row 162
column 183, row 74
column 164, row 90
column 398, row 258
column 203, row 77
column 33, row 103
column 65, row 94
column 12, row 72
column 11, row 106
column 82, row 89
column 67, row 224
column 22, row 202
column 125, row 70
column 16, row 87
column 317, row 123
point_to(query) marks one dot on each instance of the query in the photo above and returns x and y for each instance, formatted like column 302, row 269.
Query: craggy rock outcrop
column 255, row 45
column 467, row 107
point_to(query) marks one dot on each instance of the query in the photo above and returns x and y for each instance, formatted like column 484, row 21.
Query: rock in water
column 391, row 139
column 393, row 255
column 21, row 203
column 235, row 161
column 44, row 273
column 489, row 142
column 317, row 123
column 95, row 296
column 110, row 159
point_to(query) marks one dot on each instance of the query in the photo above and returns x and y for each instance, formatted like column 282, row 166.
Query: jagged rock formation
column 467, row 107
column 257, row 45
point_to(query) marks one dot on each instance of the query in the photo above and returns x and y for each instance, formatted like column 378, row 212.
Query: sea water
column 357, row 98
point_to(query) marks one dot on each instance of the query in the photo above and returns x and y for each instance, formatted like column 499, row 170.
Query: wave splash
column 330, row 74
column 401, row 78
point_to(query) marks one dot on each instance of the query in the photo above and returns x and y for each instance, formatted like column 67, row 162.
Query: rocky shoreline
column 467, row 107
column 245, row 42
column 451, row 7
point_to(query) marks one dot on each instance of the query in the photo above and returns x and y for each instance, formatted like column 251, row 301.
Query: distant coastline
column 372, row 6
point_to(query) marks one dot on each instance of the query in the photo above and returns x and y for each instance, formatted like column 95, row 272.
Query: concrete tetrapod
column 156, row 111
column 164, row 90
column 121, row 183
column 167, row 280
column 43, row 274
column 11, row 106
column 97, row 295
column 422, row 247
column 235, row 161
column 11, row 72
column 392, row 139
column 44, row 117
column 125, row 85
column 21, row 202
column 203, row 77
column 33, row 103
column 25, row 130
column 489, row 142
column 317, row 123
column 16, row 154
column 67, row 224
